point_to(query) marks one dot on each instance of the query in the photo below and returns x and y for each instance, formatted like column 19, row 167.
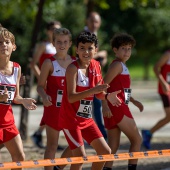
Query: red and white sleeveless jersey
column 121, row 82
column 49, row 52
column 165, row 71
column 78, row 114
column 9, row 82
column 55, row 82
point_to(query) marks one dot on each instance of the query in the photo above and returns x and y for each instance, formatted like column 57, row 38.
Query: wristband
column 106, row 95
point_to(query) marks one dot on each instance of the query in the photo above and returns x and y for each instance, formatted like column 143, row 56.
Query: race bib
column 168, row 78
column 59, row 98
column 127, row 93
column 11, row 93
column 85, row 109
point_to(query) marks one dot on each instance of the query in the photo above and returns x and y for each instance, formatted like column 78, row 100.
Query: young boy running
column 162, row 72
column 120, row 119
column 10, row 73
column 52, row 76
column 83, row 81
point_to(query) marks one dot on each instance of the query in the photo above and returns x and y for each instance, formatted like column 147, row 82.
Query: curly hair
column 87, row 37
column 121, row 39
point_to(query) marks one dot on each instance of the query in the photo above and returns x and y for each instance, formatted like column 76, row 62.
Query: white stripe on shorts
column 71, row 138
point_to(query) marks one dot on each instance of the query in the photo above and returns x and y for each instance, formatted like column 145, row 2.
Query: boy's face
column 6, row 47
column 86, row 51
column 62, row 43
column 123, row 52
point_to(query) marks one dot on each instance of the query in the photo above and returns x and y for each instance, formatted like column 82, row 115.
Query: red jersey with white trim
column 55, row 82
column 120, row 82
column 165, row 71
column 54, row 88
column 79, row 114
column 50, row 51
column 9, row 82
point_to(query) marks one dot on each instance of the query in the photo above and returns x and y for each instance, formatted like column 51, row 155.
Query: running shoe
column 60, row 148
column 37, row 139
column 146, row 139
column 56, row 168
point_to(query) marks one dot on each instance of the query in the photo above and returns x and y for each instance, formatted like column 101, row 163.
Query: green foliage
column 148, row 23
column 147, row 20
column 18, row 16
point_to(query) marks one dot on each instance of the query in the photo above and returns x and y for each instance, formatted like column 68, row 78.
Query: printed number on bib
column 168, row 78
column 85, row 109
column 11, row 93
column 59, row 98
column 127, row 93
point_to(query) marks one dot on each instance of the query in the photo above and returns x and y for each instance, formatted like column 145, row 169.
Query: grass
column 137, row 73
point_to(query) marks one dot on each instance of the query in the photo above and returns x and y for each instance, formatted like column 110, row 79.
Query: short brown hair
column 61, row 31
column 51, row 24
column 5, row 34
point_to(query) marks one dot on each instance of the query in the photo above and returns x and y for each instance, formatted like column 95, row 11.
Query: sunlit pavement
column 145, row 92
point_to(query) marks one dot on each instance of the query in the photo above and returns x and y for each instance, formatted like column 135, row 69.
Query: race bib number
column 85, row 109
column 11, row 93
column 127, row 93
column 168, row 78
column 59, row 98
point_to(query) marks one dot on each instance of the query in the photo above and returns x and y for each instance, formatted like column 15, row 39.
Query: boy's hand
column 47, row 101
column 165, row 88
column 28, row 103
column 5, row 95
column 106, row 111
column 113, row 99
column 100, row 88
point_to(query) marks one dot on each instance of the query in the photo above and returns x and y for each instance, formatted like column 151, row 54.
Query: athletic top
column 79, row 114
column 121, row 82
column 49, row 52
column 55, row 82
column 165, row 71
column 9, row 82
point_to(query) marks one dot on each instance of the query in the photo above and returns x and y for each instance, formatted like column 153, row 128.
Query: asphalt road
column 146, row 92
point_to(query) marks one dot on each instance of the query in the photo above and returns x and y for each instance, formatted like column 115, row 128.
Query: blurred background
column 147, row 20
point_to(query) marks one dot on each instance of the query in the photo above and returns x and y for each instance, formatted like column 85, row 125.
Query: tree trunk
column 23, row 128
column 90, row 6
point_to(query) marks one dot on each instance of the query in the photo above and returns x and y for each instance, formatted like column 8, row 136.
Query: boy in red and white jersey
column 10, row 73
column 43, row 51
column 162, row 72
column 120, row 119
column 53, row 77
column 83, row 81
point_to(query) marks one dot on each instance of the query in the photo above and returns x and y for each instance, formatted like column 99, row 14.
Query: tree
column 24, row 112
